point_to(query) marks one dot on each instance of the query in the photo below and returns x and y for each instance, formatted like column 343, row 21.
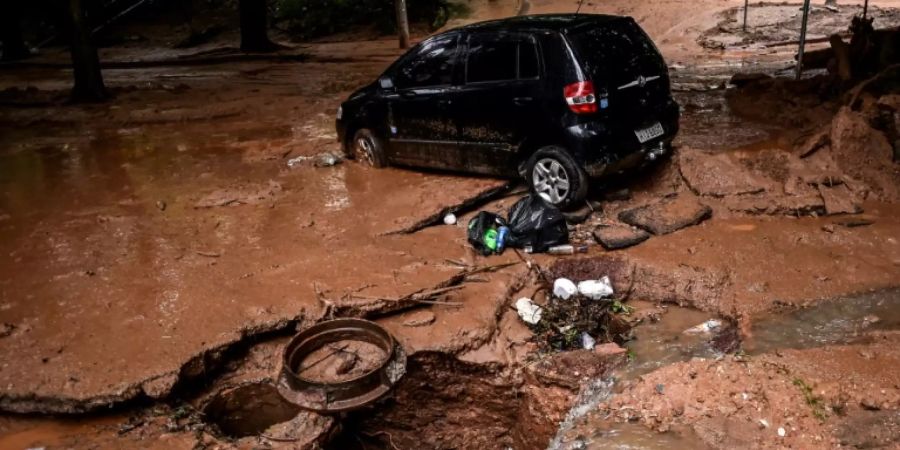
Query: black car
column 554, row 98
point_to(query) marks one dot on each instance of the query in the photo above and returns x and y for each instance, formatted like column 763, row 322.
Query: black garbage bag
column 535, row 224
column 483, row 230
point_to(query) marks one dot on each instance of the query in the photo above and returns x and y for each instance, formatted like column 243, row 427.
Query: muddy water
column 664, row 342
column 837, row 321
column 707, row 122
column 832, row 322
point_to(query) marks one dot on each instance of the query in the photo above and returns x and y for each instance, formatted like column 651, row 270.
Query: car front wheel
column 555, row 176
column 368, row 148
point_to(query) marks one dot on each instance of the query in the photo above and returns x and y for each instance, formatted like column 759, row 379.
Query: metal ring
column 345, row 395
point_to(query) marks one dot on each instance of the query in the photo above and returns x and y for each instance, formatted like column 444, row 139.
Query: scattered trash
column 587, row 342
column 564, row 288
column 483, row 230
column 560, row 249
column 327, row 160
column 528, row 311
column 324, row 159
column 659, row 389
column 450, row 219
column 871, row 319
column 502, row 238
column 705, row 327
column 764, row 423
column 781, row 432
column 596, row 289
column 535, row 224
column 297, row 161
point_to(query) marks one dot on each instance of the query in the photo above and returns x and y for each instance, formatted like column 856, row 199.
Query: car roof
column 552, row 22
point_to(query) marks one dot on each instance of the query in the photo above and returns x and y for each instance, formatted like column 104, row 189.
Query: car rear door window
column 431, row 65
column 491, row 59
column 528, row 60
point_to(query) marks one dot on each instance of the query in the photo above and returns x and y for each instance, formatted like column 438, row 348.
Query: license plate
column 654, row 131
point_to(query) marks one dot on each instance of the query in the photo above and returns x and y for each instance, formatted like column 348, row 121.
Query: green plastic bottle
column 490, row 239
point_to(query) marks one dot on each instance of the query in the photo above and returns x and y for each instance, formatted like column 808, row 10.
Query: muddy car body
column 557, row 99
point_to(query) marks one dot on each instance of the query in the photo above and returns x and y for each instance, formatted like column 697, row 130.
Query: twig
column 329, row 305
column 456, row 263
column 334, row 352
column 390, row 438
column 438, row 302
column 389, row 305
column 534, row 266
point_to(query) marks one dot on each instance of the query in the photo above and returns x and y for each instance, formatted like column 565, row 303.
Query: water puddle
column 831, row 322
column 634, row 436
column 661, row 343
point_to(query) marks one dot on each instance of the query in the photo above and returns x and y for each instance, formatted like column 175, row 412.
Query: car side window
column 491, row 59
column 431, row 65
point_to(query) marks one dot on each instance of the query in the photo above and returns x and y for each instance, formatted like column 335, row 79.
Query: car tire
column 367, row 148
column 554, row 176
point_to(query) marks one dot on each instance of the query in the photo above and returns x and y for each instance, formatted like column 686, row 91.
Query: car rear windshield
column 616, row 50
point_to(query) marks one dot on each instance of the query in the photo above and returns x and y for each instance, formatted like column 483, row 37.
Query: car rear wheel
column 367, row 148
column 555, row 176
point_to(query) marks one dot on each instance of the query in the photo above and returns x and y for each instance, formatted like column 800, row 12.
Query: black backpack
column 479, row 225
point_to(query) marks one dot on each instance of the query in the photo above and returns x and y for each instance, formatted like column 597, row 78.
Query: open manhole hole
column 249, row 410
column 340, row 365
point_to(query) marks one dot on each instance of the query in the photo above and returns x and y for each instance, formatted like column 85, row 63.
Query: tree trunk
column 254, row 37
column 402, row 23
column 11, row 31
column 85, row 62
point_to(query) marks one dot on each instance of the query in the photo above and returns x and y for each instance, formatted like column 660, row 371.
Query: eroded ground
column 158, row 251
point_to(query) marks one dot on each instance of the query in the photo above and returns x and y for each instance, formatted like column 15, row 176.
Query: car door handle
column 408, row 94
column 444, row 103
column 521, row 101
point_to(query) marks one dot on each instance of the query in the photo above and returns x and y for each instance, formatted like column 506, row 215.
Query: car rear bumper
column 609, row 150
column 631, row 161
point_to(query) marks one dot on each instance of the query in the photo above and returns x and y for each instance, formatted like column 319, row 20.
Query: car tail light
column 581, row 97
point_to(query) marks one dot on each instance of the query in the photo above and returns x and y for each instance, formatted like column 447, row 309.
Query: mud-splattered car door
column 499, row 103
column 422, row 128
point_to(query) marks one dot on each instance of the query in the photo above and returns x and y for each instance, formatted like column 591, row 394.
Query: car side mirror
column 386, row 83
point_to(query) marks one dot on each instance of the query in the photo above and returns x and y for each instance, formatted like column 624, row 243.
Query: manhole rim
column 345, row 395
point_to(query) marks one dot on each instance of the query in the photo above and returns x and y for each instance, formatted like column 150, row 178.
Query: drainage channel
column 838, row 321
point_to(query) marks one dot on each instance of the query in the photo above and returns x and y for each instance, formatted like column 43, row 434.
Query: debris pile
column 324, row 159
column 575, row 315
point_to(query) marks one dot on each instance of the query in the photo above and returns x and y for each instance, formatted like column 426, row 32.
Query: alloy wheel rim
column 364, row 150
column 550, row 180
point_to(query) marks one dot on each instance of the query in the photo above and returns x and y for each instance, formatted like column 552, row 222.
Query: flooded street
column 159, row 249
